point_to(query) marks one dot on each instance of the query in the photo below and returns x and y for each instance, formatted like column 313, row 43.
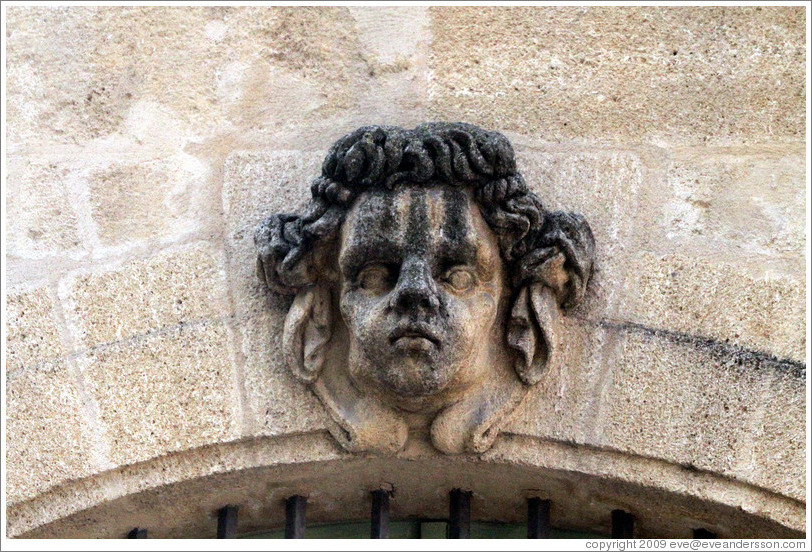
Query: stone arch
column 178, row 495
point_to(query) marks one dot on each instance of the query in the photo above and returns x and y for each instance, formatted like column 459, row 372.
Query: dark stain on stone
column 456, row 230
column 416, row 235
column 722, row 351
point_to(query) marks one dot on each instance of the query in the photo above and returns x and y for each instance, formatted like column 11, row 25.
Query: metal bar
column 622, row 525
column 538, row 518
column 704, row 534
column 137, row 534
column 459, row 522
column 227, row 523
column 628, row 527
column 295, row 517
column 380, row 515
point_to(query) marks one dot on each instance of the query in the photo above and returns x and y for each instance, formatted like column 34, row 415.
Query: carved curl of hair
column 456, row 154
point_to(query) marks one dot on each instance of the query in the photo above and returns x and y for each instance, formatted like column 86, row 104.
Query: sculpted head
column 420, row 286
column 428, row 282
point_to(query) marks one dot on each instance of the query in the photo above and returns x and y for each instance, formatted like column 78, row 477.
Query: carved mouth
column 414, row 335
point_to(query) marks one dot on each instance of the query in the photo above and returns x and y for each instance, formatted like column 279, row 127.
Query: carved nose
column 415, row 288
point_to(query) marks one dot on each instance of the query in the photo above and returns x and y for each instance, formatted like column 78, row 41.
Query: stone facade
column 143, row 356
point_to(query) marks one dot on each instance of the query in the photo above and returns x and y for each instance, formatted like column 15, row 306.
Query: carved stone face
column 421, row 282
column 428, row 283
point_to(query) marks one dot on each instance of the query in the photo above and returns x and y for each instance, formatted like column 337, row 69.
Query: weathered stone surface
column 255, row 186
column 48, row 436
column 44, row 220
column 703, row 405
column 131, row 191
column 275, row 402
column 732, row 302
column 776, row 454
column 185, row 285
column 605, row 187
column 57, row 92
column 390, row 32
column 77, row 82
column 168, row 391
column 158, row 200
column 709, row 424
column 710, row 244
column 673, row 75
column 32, row 334
column 564, row 405
column 394, row 43
column 731, row 203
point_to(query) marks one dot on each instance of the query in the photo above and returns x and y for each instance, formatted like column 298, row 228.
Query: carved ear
column 308, row 329
column 532, row 330
column 358, row 422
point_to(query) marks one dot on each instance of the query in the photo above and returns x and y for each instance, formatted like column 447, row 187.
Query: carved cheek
column 485, row 306
column 363, row 314
column 352, row 309
column 469, row 316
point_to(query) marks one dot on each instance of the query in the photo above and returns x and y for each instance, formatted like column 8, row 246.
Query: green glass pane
column 416, row 529
column 495, row 530
column 408, row 529
column 433, row 530
column 482, row 530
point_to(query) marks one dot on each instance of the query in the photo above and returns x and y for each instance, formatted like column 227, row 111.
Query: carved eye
column 459, row 279
column 375, row 278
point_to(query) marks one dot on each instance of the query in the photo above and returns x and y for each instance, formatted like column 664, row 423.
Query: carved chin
column 411, row 367
column 415, row 378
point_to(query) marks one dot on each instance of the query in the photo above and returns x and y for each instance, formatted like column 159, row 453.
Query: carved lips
column 414, row 337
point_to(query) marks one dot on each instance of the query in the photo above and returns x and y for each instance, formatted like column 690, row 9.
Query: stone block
column 74, row 73
column 38, row 203
column 700, row 426
column 32, row 334
column 394, row 44
column 777, row 453
column 308, row 54
column 276, row 403
column 181, row 286
column 714, row 247
column 739, row 303
column 156, row 201
column 605, row 188
column 389, row 32
column 700, row 404
column 737, row 204
column 713, row 421
column 668, row 75
column 169, row 391
column 48, row 435
column 256, row 186
column 58, row 91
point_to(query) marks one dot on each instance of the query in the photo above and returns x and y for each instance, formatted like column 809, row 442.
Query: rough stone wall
column 144, row 144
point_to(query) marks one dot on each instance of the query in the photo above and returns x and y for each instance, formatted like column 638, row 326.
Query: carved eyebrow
column 357, row 252
column 372, row 234
column 456, row 252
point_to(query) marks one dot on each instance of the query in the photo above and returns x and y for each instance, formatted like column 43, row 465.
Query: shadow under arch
column 178, row 495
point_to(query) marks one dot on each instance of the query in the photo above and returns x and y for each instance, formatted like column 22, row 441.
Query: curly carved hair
column 455, row 154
